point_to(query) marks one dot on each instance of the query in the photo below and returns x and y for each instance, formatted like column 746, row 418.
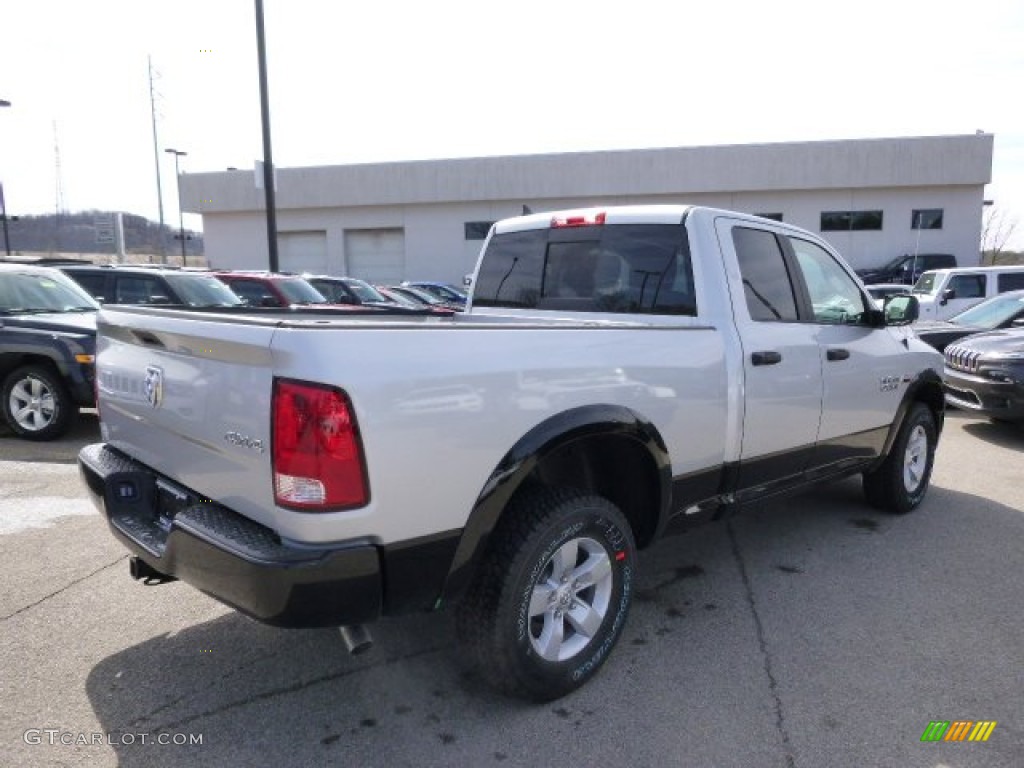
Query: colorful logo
column 958, row 730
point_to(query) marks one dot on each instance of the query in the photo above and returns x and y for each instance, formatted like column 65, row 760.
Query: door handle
column 837, row 354
column 768, row 357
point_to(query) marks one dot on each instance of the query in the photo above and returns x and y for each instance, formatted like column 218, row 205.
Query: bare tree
column 997, row 228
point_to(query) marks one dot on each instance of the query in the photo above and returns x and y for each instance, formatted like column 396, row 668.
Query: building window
column 926, row 218
column 772, row 216
column 477, row 230
column 841, row 221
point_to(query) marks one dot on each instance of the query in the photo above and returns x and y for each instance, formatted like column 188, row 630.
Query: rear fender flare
column 531, row 449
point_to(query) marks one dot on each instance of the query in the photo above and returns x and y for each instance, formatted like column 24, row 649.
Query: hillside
column 76, row 233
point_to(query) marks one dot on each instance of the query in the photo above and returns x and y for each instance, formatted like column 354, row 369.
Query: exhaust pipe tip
column 357, row 638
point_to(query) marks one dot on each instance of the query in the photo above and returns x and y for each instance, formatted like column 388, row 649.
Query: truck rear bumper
column 228, row 556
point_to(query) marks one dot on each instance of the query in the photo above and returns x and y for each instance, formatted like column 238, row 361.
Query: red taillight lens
column 578, row 221
column 318, row 456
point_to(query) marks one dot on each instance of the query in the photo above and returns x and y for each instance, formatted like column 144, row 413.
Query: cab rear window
column 627, row 268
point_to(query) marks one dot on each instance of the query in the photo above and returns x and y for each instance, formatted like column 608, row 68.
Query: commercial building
column 874, row 199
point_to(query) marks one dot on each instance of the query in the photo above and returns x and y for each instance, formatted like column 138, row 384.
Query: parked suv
column 907, row 268
column 943, row 293
column 985, row 374
column 348, row 290
column 271, row 289
column 115, row 284
column 47, row 349
column 446, row 292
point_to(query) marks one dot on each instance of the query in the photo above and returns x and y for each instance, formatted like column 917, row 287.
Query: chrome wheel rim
column 915, row 460
column 31, row 404
column 570, row 599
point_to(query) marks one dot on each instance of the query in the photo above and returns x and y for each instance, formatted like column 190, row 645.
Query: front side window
column 629, row 268
column 967, row 286
column 835, row 297
column 767, row 284
column 254, row 292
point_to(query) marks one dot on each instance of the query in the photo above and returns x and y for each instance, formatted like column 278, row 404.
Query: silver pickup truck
column 618, row 371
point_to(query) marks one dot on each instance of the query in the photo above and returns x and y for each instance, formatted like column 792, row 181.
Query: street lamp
column 3, row 205
column 181, row 216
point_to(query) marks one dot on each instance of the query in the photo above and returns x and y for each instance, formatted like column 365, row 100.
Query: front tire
column 552, row 595
column 35, row 403
column 899, row 484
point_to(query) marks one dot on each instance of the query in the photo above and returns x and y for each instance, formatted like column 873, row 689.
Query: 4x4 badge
column 154, row 385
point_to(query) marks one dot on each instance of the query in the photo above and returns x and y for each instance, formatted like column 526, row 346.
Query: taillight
column 558, row 222
column 317, row 453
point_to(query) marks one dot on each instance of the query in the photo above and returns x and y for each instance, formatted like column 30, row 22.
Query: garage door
column 302, row 252
column 377, row 255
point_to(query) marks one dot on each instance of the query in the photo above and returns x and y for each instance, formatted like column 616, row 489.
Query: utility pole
column 156, row 160
column 268, row 160
column 3, row 205
column 181, row 215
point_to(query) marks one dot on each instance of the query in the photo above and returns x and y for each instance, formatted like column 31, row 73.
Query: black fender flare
column 520, row 461
column 927, row 387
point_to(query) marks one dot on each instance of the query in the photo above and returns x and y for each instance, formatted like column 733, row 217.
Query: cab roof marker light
column 562, row 222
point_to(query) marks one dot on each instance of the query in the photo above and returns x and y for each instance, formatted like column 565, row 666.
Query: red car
column 269, row 289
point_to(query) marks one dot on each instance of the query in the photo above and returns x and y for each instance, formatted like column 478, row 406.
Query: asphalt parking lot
column 812, row 632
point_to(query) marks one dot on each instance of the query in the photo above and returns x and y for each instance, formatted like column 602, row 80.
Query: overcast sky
column 379, row 81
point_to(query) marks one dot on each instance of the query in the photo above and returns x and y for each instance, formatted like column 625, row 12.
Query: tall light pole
column 268, row 159
column 156, row 160
column 3, row 205
column 181, row 216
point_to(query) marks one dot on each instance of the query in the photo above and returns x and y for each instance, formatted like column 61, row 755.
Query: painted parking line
column 39, row 512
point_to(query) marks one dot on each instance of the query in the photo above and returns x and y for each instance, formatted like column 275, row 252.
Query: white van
column 943, row 293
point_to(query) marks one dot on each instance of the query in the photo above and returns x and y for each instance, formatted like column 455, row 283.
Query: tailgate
column 189, row 395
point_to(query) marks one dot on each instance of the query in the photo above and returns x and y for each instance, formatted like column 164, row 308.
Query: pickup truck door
column 782, row 382
column 863, row 367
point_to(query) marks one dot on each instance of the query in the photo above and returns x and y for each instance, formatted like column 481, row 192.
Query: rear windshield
column 632, row 268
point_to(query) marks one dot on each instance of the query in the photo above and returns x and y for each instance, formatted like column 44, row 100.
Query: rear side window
column 140, row 290
column 1011, row 281
column 767, row 284
column 628, row 268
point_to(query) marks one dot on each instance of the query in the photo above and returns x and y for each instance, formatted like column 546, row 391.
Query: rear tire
column 899, row 484
column 551, row 598
column 35, row 403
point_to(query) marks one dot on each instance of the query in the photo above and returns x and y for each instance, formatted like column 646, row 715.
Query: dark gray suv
column 151, row 285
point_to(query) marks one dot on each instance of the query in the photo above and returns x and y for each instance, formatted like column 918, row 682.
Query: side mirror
column 900, row 309
column 947, row 294
column 158, row 299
